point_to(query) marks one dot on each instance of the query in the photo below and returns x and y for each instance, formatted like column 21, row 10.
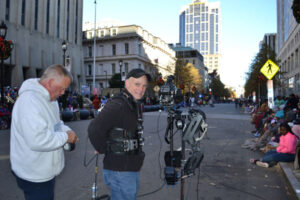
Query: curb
column 294, row 183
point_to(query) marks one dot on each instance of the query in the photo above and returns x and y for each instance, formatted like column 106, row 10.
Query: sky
column 243, row 25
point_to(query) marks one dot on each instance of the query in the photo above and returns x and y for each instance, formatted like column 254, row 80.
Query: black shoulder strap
column 125, row 98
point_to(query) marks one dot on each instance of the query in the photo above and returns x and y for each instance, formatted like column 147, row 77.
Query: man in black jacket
column 116, row 132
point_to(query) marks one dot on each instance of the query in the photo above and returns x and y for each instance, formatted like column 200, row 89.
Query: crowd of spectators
column 277, row 130
column 6, row 105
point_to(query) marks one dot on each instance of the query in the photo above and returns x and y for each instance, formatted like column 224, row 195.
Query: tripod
column 176, row 159
column 95, row 187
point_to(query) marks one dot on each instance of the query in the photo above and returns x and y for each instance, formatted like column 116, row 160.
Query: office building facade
column 199, row 28
column 270, row 40
column 288, row 47
column 37, row 29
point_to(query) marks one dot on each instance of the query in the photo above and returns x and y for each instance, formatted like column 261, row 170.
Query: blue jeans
column 37, row 191
column 122, row 185
column 273, row 156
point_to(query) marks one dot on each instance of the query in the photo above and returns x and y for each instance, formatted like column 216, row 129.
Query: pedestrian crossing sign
column 269, row 69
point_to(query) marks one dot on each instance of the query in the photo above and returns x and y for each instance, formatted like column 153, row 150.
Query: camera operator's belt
column 122, row 142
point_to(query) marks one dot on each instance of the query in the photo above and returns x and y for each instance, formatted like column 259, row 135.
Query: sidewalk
column 294, row 181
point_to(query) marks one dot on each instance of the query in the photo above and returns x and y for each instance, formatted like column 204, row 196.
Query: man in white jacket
column 38, row 135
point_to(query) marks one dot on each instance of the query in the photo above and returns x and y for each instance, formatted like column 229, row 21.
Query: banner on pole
column 270, row 94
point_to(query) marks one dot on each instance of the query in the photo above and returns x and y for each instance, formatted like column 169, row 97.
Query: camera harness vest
column 121, row 141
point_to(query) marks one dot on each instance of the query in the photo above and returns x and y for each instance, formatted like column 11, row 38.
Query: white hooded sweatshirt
column 37, row 134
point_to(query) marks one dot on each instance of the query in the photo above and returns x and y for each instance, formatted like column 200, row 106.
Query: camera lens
column 69, row 146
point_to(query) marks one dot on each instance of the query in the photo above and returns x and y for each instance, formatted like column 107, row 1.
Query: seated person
column 285, row 152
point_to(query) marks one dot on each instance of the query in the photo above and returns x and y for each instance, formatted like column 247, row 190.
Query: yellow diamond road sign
column 269, row 69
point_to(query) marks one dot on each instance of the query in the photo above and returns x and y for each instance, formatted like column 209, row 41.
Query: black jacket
column 117, row 113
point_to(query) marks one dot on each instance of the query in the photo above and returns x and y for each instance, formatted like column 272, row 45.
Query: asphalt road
column 225, row 172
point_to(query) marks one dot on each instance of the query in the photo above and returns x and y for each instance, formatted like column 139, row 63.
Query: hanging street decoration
column 6, row 47
column 296, row 10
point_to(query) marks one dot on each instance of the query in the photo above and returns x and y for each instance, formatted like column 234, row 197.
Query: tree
column 255, row 80
column 218, row 88
column 188, row 75
column 115, row 81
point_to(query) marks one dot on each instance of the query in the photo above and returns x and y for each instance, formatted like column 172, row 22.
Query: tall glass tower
column 199, row 28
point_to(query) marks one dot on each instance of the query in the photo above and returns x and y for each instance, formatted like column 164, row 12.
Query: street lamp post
column 120, row 64
column 64, row 47
column 106, row 83
column 3, row 29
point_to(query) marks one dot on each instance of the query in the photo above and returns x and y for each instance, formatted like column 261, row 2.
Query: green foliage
column 115, row 81
column 218, row 88
column 188, row 75
column 253, row 83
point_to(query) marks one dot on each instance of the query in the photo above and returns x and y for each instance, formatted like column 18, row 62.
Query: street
column 225, row 172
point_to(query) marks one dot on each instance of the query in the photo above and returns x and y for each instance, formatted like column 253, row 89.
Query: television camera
column 193, row 126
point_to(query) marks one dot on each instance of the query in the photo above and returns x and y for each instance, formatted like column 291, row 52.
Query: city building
column 288, row 46
column 270, row 40
column 122, row 48
column 37, row 30
column 199, row 28
column 190, row 55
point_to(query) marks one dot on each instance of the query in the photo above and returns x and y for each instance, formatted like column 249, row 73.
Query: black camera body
column 172, row 169
column 69, row 146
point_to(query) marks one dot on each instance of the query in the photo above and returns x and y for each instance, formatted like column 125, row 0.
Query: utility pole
column 94, row 59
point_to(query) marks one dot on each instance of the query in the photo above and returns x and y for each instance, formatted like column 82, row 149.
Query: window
column 126, row 48
column 58, row 18
column 113, row 32
column 102, row 33
column 126, row 68
column 76, row 21
column 113, row 49
column 68, row 13
column 23, row 13
column 47, row 16
column 90, row 52
column 99, row 70
column 140, row 49
column 7, row 10
column 191, row 28
column 113, row 68
column 202, row 36
column 36, row 12
column 89, row 70
column 140, row 66
column 101, row 50
column 203, row 17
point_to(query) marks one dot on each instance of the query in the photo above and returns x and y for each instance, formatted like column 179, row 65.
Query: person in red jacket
column 285, row 152
column 96, row 103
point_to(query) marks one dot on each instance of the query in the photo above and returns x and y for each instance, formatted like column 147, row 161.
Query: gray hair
column 56, row 71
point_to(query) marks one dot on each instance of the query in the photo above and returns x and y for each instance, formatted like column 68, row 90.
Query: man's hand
column 72, row 137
